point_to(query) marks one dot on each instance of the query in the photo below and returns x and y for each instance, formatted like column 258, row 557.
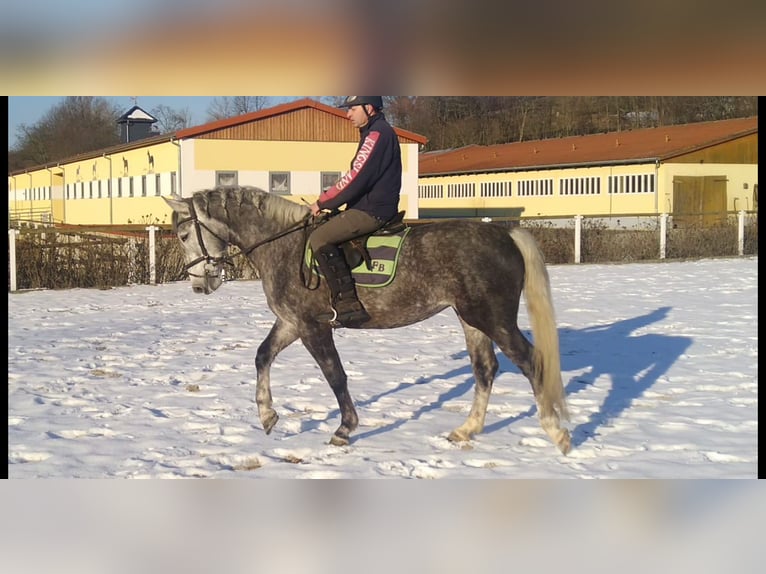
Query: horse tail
column 547, row 359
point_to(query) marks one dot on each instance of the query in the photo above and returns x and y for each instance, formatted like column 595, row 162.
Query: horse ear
column 177, row 204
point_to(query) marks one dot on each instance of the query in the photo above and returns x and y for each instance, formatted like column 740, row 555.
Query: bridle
column 212, row 263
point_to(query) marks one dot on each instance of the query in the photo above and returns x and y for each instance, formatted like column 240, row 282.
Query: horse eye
column 183, row 236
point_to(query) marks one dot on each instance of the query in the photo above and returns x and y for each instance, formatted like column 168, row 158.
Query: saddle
column 373, row 257
column 356, row 251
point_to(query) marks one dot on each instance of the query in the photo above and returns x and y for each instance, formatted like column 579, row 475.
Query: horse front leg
column 485, row 366
column 280, row 337
column 319, row 342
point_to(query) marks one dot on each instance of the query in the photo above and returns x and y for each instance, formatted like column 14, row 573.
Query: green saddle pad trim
column 384, row 255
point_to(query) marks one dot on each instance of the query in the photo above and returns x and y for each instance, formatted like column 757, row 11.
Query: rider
column 370, row 190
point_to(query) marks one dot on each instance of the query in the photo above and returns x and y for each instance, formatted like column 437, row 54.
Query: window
column 495, row 189
column 580, row 186
column 119, row 187
column 643, row 183
column 172, row 183
column 143, row 186
column 328, row 179
column 279, row 182
column 430, row 191
column 226, row 178
column 130, row 187
column 535, row 187
column 461, row 189
column 90, row 190
column 98, row 183
column 157, row 186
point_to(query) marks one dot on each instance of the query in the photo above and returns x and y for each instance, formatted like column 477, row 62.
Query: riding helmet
column 375, row 101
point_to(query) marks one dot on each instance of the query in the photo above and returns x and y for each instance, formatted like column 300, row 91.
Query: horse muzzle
column 208, row 279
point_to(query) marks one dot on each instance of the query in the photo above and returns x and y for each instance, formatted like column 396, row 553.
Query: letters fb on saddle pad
column 384, row 255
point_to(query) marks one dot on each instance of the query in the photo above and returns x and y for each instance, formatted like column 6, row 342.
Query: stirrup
column 332, row 319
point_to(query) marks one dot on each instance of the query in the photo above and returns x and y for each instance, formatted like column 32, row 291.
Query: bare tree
column 399, row 109
column 230, row 106
column 454, row 121
column 170, row 120
column 78, row 124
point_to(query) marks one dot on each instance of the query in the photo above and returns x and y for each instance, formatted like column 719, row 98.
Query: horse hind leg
column 485, row 366
column 529, row 361
column 550, row 418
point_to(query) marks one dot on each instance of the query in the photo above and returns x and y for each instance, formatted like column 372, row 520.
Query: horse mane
column 273, row 207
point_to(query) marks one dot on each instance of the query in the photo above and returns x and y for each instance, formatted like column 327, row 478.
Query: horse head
column 202, row 238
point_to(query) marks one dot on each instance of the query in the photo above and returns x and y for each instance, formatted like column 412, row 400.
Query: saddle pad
column 384, row 255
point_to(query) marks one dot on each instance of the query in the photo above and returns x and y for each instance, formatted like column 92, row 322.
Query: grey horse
column 478, row 269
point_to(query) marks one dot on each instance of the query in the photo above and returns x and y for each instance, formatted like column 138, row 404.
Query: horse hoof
column 458, row 436
column 269, row 421
column 338, row 441
column 565, row 442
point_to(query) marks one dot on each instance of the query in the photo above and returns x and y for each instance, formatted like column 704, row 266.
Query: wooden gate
column 699, row 201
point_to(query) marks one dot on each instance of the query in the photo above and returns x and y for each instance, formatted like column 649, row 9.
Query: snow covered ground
column 659, row 361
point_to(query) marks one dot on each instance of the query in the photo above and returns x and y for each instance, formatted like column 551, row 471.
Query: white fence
column 578, row 225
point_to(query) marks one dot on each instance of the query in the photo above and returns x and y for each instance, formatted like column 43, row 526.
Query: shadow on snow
column 632, row 362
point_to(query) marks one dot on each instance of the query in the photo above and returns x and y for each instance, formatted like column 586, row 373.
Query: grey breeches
column 346, row 225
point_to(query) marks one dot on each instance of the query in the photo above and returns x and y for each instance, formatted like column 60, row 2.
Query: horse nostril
column 198, row 289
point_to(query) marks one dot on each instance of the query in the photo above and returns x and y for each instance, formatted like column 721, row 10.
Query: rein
column 228, row 259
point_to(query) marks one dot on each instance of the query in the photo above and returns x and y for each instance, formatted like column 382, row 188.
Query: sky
column 30, row 109
column 659, row 364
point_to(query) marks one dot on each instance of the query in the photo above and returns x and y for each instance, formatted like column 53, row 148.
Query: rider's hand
column 315, row 209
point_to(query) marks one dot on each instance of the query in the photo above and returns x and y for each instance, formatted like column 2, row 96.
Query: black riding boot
column 348, row 311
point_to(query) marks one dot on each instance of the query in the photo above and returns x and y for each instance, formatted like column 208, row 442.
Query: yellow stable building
column 295, row 149
column 693, row 172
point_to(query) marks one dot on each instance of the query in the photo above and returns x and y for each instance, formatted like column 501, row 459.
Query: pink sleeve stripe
column 362, row 156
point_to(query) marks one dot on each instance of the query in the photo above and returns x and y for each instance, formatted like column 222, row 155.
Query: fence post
column 133, row 250
column 578, row 235
column 12, row 233
column 741, row 232
column 152, row 256
column 663, row 235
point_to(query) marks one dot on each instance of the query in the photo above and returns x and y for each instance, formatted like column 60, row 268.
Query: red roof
column 275, row 111
column 643, row 144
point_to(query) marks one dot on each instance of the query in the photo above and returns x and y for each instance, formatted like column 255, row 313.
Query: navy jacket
column 374, row 181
